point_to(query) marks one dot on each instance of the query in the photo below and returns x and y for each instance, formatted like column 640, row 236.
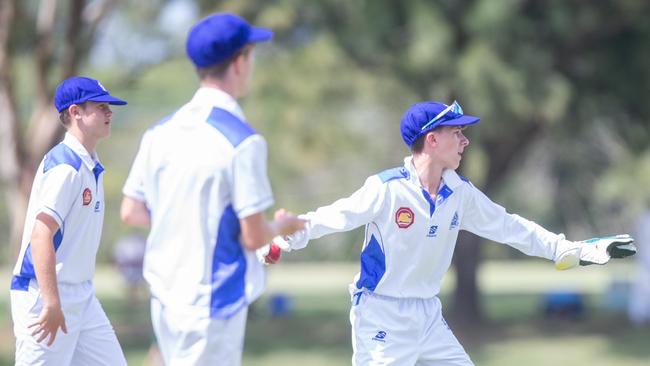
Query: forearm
column 257, row 232
column 44, row 257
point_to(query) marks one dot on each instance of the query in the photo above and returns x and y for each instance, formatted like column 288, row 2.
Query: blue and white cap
column 219, row 36
column 79, row 89
column 423, row 117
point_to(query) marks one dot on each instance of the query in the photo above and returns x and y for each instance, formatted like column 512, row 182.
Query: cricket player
column 199, row 182
column 57, row 317
column 412, row 215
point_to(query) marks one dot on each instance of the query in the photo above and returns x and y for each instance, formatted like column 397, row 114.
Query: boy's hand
column 594, row 251
column 269, row 254
column 48, row 323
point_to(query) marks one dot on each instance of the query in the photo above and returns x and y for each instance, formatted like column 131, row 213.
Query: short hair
column 65, row 117
column 219, row 70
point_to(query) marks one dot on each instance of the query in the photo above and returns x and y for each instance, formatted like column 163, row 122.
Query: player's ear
column 74, row 111
column 431, row 138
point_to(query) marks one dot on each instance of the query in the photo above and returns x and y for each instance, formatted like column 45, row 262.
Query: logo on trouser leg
column 380, row 337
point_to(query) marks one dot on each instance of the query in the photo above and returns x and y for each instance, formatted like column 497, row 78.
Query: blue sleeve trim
column 393, row 173
column 233, row 128
column 61, row 154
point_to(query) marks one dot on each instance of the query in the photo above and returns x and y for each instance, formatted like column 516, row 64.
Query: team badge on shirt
column 87, row 196
column 404, row 217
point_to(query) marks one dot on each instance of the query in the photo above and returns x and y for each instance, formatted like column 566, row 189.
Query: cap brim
column 108, row 99
column 464, row 120
column 259, row 34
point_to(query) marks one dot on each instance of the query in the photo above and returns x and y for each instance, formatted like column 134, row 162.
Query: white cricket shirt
column 199, row 171
column 68, row 186
column 410, row 236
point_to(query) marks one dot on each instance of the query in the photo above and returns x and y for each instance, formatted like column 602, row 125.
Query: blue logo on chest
column 432, row 231
column 380, row 337
column 97, row 206
column 454, row 222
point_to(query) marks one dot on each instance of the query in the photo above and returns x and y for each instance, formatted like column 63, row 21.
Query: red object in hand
column 274, row 254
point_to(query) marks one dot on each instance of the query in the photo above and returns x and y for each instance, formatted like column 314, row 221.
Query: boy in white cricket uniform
column 199, row 182
column 412, row 216
column 52, row 285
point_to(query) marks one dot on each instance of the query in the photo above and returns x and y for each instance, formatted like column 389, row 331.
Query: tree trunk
column 18, row 162
column 466, row 301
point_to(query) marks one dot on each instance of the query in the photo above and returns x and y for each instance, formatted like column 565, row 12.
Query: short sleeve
column 60, row 188
column 134, row 185
column 250, row 184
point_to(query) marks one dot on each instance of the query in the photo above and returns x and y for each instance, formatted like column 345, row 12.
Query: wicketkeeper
column 412, row 216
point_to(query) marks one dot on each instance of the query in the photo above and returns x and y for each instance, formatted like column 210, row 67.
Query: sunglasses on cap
column 453, row 107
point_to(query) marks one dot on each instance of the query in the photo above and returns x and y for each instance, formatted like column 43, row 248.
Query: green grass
column 318, row 332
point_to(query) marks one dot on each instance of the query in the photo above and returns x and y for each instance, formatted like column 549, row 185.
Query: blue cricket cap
column 78, row 89
column 423, row 117
column 219, row 36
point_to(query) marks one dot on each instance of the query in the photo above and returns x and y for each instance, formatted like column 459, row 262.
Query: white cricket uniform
column 200, row 171
column 409, row 243
column 68, row 187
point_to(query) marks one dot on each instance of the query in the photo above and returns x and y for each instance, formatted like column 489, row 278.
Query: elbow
column 131, row 217
column 134, row 213
column 126, row 217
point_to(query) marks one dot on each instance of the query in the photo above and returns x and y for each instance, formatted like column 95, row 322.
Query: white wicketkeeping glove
column 295, row 241
column 593, row 251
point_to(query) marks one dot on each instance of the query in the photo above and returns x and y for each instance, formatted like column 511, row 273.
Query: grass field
column 317, row 332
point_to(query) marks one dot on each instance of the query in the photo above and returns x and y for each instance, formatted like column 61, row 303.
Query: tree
column 57, row 38
column 526, row 67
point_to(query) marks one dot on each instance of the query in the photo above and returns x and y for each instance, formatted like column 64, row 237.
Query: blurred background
column 562, row 89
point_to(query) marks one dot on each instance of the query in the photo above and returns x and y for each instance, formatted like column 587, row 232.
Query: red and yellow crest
column 87, row 197
column 404, row 217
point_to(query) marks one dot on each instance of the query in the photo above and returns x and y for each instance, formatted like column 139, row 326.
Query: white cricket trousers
column 191, row 338
column 402, row 331
column 90, row 339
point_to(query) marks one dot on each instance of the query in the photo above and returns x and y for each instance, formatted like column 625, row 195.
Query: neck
column 429, row 173
column 88, row 142
column 223, row 85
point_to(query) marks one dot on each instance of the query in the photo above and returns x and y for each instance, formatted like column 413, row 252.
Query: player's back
column 189, row 189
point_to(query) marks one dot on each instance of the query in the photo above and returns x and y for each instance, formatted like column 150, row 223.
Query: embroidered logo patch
column 454, row 221
column 380, row 336
column 404, row 217
column 87, row 197
column 432, row 231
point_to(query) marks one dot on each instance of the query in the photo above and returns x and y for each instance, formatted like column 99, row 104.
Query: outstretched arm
column 487, row 219
column 343, row 215
column 256, row 231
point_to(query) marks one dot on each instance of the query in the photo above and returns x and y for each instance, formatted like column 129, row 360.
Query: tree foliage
column 560, row 87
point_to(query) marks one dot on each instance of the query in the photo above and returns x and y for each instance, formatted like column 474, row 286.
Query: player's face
column 451, row 143
column 95, row 120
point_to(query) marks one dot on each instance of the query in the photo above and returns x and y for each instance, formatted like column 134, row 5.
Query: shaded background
column 561, row 88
